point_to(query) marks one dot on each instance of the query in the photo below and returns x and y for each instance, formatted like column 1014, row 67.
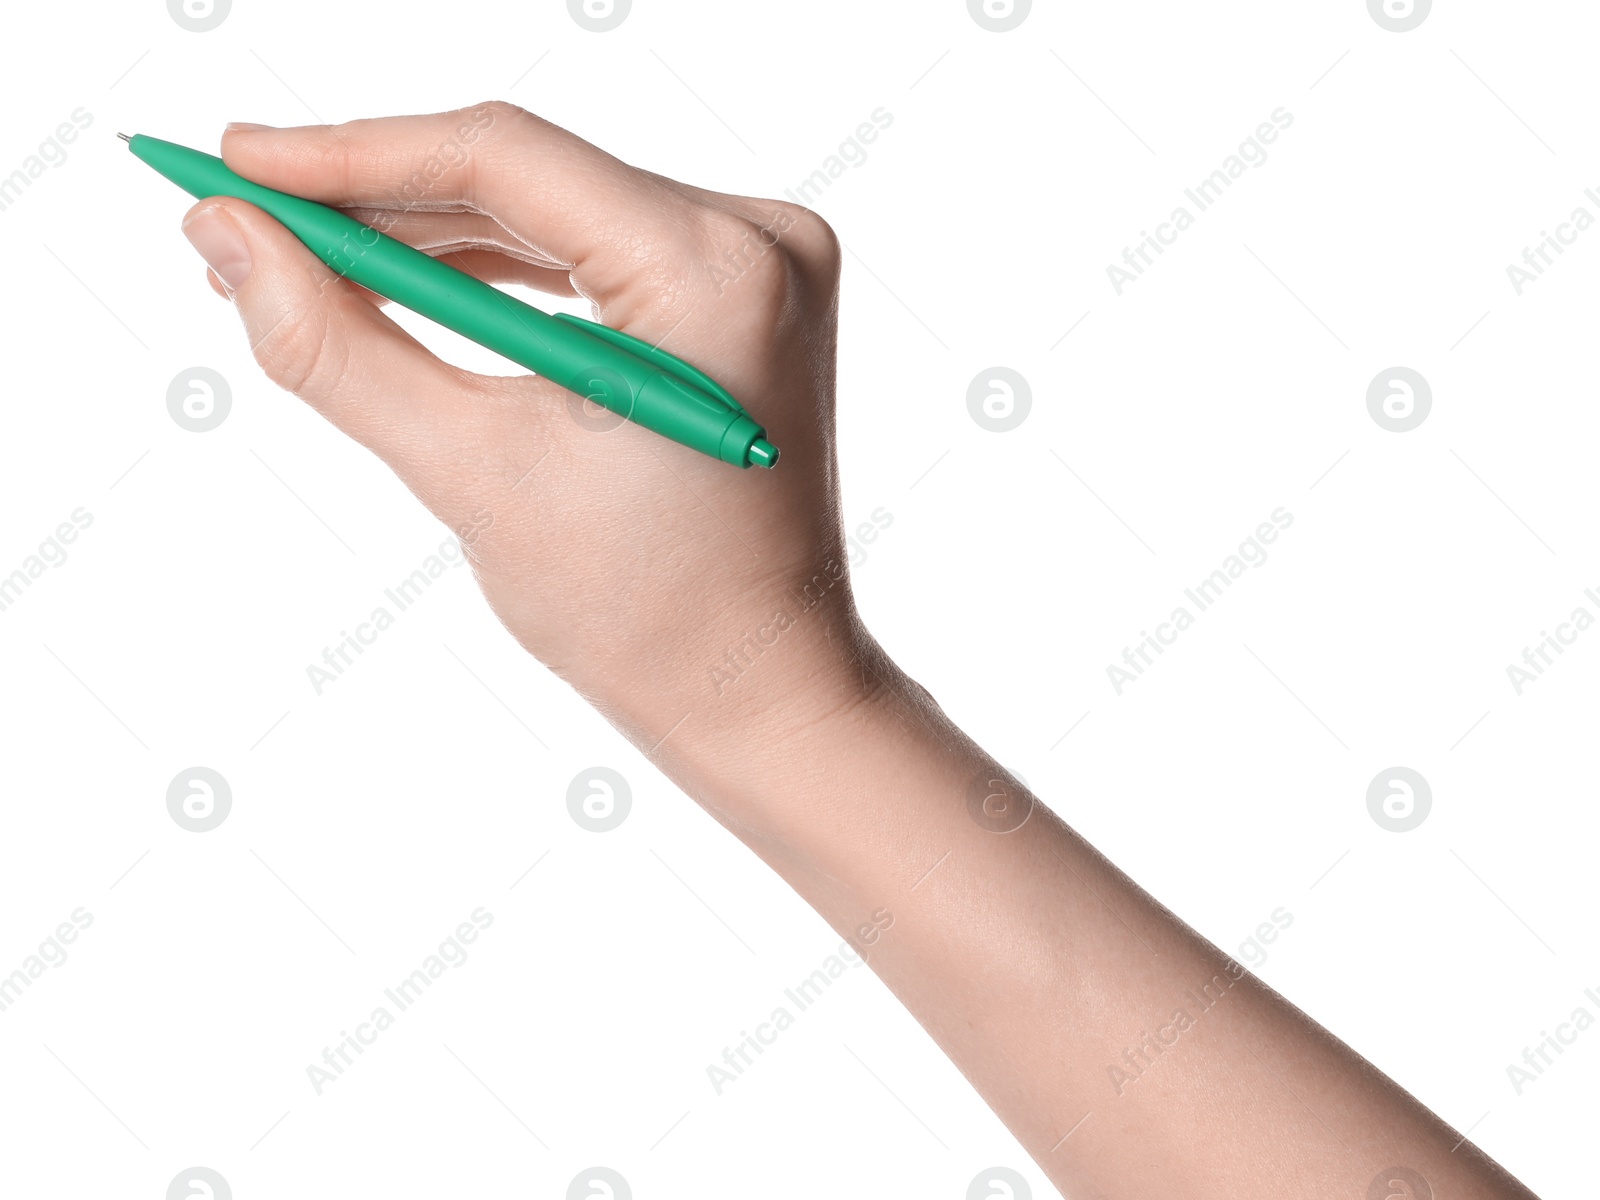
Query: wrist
column 762, row 695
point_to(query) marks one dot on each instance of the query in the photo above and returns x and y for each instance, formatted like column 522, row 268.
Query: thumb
column 315, row 336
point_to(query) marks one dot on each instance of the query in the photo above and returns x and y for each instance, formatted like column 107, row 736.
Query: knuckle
column 330, row 158
column 807, row 234
column 494, row 110
column 777, row 252
column 302, row 357
column 501, row 118
column 721, row 227
column 736, row 248
column 499, row 137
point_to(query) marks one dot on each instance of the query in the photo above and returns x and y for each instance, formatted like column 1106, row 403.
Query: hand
column 633, row 566
column 629, row 564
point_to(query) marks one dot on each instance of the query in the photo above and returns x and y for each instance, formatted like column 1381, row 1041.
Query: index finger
column 577, row 204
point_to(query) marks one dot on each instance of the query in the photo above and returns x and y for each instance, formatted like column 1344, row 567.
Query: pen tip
column 762, row 453
column 125, row 137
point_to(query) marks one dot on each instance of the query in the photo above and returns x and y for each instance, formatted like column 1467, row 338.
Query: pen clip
column 656, row 357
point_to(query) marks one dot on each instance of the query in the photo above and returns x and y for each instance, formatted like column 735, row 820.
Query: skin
column 632, row 566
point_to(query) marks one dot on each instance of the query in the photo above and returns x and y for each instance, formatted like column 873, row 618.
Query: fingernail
column 221, row 244
column 245, row 127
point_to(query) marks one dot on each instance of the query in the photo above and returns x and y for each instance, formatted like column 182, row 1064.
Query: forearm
column 1072, row 1000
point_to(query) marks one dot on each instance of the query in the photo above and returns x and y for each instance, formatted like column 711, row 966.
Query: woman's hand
column 650, row 577
column 695, row 602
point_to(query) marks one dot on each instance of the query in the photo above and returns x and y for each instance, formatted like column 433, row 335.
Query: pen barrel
column 598, row 366
column 562, row 351
column 685, row 414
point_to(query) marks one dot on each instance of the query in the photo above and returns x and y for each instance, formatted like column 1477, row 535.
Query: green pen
column 630, row 377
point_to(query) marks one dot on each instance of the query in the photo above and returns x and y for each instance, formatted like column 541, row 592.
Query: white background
column 1231, row 779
